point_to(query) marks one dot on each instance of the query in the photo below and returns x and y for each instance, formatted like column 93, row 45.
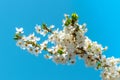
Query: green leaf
column 15, row 38
column 44, row 26
column 98, row 65
column 68, row 22
column 60, row 51
column 74, row 17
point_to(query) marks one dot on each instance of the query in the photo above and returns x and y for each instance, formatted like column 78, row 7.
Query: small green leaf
column 44, row 26
column 98, row 65
column 74, row 17
column 60, row 51
column 68, row 22
column 15, row 38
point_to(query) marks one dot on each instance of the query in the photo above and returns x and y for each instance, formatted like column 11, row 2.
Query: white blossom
column 68, row 43
column 19, row 30
column 38, row 28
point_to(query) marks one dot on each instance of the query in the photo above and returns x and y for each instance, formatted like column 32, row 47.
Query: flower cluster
column 69, row 43
column 111, row 68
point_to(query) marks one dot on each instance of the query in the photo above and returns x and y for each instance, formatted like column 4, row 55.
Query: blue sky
column 102, row 18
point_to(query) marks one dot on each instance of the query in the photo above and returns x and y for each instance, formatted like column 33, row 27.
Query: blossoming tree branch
column 67, row 44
